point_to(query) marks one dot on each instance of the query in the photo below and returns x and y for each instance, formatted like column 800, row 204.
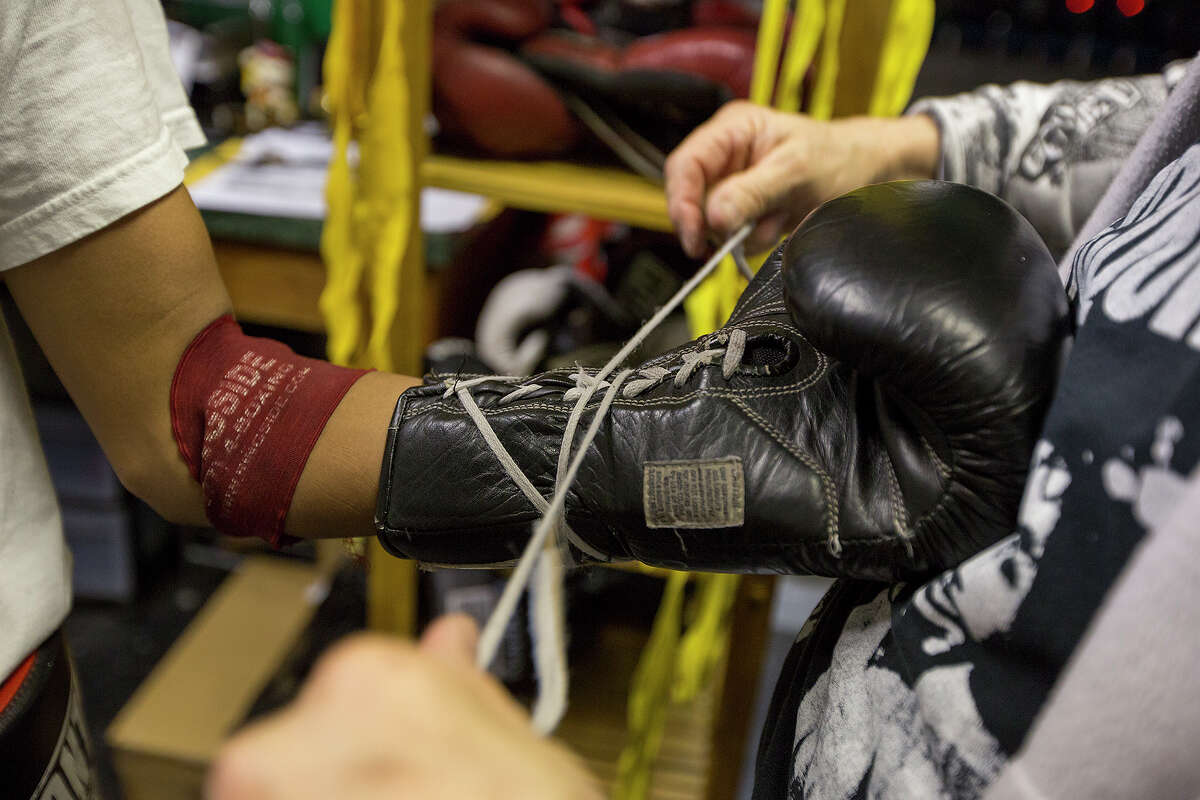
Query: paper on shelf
column 281, row 173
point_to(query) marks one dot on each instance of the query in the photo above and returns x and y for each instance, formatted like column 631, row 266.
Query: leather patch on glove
column 707, row 493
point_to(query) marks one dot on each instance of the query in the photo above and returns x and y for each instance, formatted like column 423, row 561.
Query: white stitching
column 831, row 503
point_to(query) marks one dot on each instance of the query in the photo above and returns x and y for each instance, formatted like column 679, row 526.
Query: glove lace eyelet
column 769, row 354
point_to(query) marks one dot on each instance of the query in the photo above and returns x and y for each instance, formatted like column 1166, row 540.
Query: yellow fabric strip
column 369, row 222
column 386, row 183
column 649, row 695
column 343, row 261
column 821, row 106
column 807, row 26
column 339, row 249
column 910, row 26
column 707, row 635
column 766, row 50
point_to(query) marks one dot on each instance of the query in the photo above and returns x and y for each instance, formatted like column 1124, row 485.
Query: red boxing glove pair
column 507, row 103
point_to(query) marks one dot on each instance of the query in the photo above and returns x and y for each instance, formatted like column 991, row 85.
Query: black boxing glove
column 947, row 319
column 484, row 95
column 868, row 411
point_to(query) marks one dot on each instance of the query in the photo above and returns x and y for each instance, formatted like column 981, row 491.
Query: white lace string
column 546, row 606
column 739, row 259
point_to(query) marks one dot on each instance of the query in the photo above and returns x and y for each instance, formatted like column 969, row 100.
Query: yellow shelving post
column 374, row 302
column 392, row 582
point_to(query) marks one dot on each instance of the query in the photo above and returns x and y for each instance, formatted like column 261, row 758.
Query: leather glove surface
column 868, row 411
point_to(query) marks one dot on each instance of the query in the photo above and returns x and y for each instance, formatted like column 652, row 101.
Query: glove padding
column 896, row 449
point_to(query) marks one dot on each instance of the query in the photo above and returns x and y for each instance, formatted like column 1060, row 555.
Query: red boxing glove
column 724, row 12
column 719, row 57
column 246, row 413
column 661, row 86
column 722, row 55
column 483, row 94
column 498, row 19
column 486, row 96
column 567, row 50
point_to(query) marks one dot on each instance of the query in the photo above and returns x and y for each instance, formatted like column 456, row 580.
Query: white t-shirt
column 93, row 126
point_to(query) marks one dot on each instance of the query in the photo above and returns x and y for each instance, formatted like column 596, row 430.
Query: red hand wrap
column 246, row 414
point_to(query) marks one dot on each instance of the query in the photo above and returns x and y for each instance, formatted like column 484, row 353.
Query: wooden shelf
column 600, row 192
column 703, row 742
column 271, row 286
column 595, row 724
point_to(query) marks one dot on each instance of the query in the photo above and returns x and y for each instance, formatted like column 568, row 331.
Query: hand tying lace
column 726, row 347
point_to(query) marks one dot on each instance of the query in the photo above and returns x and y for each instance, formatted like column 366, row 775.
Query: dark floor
column 116, row 646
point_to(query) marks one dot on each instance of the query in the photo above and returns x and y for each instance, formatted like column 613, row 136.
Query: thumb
column 748, row 195
column 453, row 638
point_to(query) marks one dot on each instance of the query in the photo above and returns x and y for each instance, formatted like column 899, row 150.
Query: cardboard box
column 167, row 734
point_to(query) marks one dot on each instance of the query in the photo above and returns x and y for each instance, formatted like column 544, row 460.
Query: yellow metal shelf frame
column 554, row 186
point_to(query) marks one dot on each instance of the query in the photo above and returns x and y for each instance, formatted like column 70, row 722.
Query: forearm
column 113, row 328
column 337, row 490
column 910, row 148
column 115, row 313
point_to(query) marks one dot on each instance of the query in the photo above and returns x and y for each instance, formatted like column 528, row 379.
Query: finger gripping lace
column 727, row 347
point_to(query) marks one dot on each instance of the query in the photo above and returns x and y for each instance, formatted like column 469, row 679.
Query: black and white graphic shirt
column 926, row 691
column 1049, row 150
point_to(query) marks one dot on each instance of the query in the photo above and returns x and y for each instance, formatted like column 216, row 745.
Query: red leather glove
column 661, row 86
column 510, row 20
column 723, row 55
column 485, row 96
column 724, row 12
column 719, row 55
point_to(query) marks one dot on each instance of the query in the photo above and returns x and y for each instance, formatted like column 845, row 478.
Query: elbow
column 162, row 481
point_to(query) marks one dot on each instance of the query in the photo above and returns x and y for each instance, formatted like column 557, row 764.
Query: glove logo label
column 708, row 493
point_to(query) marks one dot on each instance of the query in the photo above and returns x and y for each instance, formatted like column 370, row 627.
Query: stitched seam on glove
column 440, row 375
column 899, row 512
column 944, row 469
column 946, row 473
column 831, row 505
column 746, row 301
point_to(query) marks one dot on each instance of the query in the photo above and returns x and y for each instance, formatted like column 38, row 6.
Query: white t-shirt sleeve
column 93, row 120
